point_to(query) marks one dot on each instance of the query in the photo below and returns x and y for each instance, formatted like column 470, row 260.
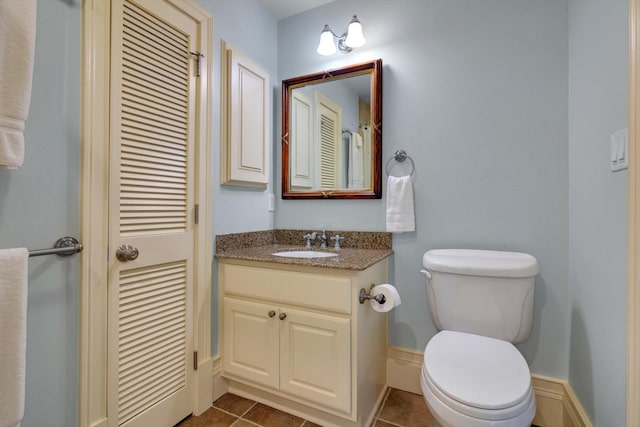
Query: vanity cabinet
column 299, row 352
column 297, row 338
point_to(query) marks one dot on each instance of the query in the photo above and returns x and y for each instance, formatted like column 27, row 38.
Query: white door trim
column 633, row 248
column 92, row 387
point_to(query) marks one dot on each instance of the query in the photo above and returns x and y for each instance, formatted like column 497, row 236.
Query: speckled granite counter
column 360, row 250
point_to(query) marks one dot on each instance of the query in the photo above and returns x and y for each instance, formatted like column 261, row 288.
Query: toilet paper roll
column 391, row 295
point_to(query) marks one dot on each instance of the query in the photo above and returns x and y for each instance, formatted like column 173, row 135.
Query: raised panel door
column 315, row 358
column 251, row 341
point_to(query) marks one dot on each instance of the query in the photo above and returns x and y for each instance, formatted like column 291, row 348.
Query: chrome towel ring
column 400, row 156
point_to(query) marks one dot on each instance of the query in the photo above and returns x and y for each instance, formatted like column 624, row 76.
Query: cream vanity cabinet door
column 315, row 357
column 305, row 354
column 251, row 341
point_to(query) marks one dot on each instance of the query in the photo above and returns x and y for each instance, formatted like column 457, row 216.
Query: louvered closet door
column 151, row 201
column 329, row 124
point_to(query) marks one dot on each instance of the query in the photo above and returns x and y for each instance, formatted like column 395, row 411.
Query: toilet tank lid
column 481, row 262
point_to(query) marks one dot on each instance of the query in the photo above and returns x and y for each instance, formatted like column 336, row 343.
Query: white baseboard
column 556, row 403
column 219, row 385
column 203, row 397
column 403, row 369
column 209, row 384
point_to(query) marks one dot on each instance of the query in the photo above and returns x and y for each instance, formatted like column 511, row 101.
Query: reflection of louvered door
column 329, row 123
column 151, row 205
column 328, row 153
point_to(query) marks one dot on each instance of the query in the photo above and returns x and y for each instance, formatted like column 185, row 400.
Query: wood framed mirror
column 332, row 134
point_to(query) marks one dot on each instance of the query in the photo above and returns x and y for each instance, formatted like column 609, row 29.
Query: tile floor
column 399, row 409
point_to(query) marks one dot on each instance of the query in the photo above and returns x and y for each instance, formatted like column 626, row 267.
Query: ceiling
column 281, row 9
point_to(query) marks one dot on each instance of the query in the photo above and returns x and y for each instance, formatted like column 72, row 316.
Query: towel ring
column 400, row 156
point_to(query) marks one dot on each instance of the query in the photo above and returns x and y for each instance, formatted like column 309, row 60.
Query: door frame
column 633, row 231
column 94, row 166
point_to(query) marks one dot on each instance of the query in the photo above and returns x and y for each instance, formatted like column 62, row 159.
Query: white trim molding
column 94, row 182
column 556, row 403
column 219, row 384
column 633, row 226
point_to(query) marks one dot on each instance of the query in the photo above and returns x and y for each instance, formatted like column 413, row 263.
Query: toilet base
column 447, row 417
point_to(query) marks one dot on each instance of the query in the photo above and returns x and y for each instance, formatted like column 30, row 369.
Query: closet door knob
column 283, row 316
column 272, row 313
column 126, row 253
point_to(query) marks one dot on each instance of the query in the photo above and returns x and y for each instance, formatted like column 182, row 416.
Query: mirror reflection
column 332, row 133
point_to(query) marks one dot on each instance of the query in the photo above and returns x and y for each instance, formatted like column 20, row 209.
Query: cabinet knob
column 272, row 313
column 283, row 316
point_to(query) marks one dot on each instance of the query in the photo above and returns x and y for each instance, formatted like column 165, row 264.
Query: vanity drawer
column 319, row 291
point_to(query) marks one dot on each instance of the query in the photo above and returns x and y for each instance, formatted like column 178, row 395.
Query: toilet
column 482, row 303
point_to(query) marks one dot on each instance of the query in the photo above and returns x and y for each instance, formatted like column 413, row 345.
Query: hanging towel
column 13, row 334
column 17, row 45
column 400, row 214
column 356, row 160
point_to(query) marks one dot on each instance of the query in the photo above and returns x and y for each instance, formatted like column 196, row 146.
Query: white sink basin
column 304, row 254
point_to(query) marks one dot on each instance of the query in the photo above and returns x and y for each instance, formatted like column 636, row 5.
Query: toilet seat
column 448, row 417
column 483, row 378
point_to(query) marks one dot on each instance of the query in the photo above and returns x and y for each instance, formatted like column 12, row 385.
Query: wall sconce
column 346, row 43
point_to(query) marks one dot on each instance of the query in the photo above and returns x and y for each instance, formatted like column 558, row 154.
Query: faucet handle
column 310, row 237
column 337, row 238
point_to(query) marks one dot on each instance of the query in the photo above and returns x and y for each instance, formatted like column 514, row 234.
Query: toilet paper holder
column 364, row 295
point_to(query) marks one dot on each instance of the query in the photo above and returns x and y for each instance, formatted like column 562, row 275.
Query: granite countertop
column 365, row 248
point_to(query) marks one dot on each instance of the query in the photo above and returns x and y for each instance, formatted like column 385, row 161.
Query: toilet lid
column 478, row 371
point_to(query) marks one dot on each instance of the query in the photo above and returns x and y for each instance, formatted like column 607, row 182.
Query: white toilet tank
column 487, row 293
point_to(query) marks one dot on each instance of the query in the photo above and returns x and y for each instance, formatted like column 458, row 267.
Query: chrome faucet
column 323, row 240
column 310, row 237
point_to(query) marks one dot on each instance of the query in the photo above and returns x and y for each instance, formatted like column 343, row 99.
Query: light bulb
column 326, row 46
column 355, row 38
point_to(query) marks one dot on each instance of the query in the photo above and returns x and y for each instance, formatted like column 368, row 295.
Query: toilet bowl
column 469, row 380
column 482, row 303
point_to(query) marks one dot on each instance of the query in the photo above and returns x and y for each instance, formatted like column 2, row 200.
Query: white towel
column 400, row 214
column 356, row 161
column 13, row 334
column 17, row 45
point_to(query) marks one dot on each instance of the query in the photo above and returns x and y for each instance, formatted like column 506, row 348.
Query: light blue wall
column 247, row 26
column 476, row 93
column 598, row 59
column 38, row 204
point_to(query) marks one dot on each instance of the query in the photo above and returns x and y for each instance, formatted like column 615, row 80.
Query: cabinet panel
column 246, row 118
column 251, row 341
column 320, row 291
column 315, row 358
